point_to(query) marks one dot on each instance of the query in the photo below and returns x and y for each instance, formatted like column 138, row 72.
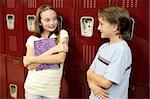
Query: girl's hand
column 60, row 47
column 26, row 61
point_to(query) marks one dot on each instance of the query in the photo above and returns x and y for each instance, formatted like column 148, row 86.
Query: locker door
column 13, row 27
column 138, row 9
column 29, row 11
column 3, row 88
column 87, row 41
column 15, row 78
column 66, row 9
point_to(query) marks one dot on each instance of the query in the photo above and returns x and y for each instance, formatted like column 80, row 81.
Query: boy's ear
column 115, row 27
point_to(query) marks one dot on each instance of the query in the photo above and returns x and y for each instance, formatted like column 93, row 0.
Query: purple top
column 42, row 46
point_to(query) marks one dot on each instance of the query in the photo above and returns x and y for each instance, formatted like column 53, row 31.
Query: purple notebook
column 42, row 46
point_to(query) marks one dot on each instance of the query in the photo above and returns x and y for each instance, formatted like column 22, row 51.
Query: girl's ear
column 40, row 24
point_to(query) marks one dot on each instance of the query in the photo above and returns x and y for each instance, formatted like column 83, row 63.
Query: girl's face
column 106, row 29
column 49, row 20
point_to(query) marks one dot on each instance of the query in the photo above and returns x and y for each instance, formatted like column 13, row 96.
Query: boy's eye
column 100, row 23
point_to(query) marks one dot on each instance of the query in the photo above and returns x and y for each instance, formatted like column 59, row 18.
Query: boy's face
column 106, row 29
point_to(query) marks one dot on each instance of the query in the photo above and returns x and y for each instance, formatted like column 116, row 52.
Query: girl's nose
column 51, row 22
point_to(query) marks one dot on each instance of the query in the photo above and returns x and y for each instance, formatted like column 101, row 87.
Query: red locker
column 3, row 88
column 13, row 27
column 87, row 42
column 15, row 78
column 139, row 10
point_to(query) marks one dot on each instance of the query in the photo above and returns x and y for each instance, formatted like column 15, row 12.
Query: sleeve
column 30, row 41
column 63, row 34
column 121, row 60
column 93, row 65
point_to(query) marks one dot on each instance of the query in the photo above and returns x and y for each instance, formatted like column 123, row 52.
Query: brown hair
column 117, row 15
column 38, row 27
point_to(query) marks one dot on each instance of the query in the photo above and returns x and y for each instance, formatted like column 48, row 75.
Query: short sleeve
column 30, row 41
column 63, row 34
column 93, row 65
column 120, row 61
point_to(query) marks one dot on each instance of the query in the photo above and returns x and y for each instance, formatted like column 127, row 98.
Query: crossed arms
column 31, row 61
column 98, row 84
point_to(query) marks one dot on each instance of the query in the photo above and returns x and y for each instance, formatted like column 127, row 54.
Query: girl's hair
column 38, row 27
column 119, row 16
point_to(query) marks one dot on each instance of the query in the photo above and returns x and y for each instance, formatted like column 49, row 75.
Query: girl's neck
column 45, row 34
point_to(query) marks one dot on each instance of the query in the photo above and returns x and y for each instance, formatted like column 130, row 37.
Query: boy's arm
column 98, row 79
column 97, row 90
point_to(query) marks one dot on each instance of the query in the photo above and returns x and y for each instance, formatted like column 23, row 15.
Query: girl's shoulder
column 64, row 33
column 33, row 38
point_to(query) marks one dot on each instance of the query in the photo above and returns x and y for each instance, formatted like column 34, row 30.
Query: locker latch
column 87, row 23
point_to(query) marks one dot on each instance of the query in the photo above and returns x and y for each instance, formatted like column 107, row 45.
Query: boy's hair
column 38, row 27
column 120, row 16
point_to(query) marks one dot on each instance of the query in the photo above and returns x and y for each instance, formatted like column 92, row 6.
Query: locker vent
column 13, row 43
column 88, row 54
column 10, row 3
column 130, row 3
column 56, row 3
column 88, row 3
column 32, row 4
column 125, row 3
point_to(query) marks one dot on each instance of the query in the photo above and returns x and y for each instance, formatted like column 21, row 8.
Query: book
column 40, row 47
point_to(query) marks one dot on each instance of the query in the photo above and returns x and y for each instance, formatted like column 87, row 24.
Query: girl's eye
column 47, row 19
column 54, row 18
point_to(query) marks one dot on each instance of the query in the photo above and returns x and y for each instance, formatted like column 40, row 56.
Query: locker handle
column 15, row 61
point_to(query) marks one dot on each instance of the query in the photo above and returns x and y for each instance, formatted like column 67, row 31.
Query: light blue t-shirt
column 113, row 61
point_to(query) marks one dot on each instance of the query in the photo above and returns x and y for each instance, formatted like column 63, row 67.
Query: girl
column 45, row 84
column 108, row 75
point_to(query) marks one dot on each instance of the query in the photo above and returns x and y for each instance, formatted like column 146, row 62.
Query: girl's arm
column 29, row 52
column 47, row 57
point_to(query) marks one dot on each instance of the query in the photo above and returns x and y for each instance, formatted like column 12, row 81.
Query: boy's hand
column 98, row 91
